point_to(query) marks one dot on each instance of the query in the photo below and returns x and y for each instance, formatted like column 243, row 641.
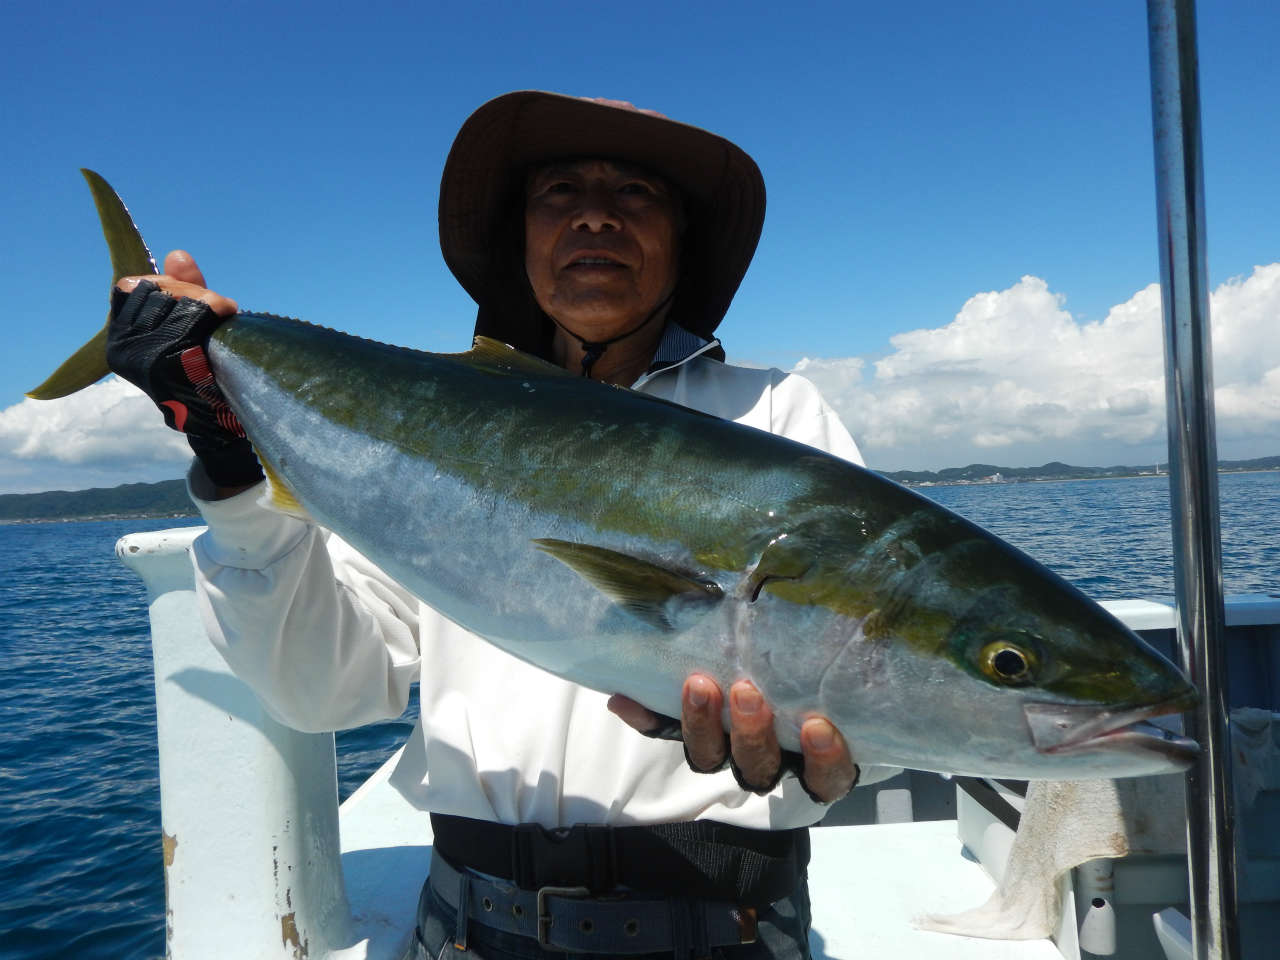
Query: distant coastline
column 168, row 498
column 990, row 473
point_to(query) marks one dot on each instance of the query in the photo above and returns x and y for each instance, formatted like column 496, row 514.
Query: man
column 610, row 241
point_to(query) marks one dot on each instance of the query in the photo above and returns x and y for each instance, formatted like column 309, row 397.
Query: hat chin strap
column 593, row 350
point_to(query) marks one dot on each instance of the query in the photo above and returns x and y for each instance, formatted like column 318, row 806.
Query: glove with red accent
column 157, row 343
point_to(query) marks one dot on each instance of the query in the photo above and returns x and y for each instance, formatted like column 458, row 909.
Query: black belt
column 569, row 919
column 701, row 859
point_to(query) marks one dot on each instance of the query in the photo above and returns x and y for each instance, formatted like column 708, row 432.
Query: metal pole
column 1193, row 475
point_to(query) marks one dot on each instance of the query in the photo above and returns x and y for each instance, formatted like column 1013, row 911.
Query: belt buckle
column 544, row 918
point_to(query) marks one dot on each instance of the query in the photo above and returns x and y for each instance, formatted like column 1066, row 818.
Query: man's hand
column 156, row 337
column 828, row 768
column 182, row 277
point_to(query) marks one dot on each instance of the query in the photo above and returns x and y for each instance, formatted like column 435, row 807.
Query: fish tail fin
column 129, row 257
column 86, row 366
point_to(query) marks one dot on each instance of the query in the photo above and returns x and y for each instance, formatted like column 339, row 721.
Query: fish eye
column 1007, row 662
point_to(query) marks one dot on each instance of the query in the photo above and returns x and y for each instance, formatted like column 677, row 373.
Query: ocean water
column 80, row 862
column 1111, row 537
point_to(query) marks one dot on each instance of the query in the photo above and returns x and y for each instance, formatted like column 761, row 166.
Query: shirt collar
column 678, row 346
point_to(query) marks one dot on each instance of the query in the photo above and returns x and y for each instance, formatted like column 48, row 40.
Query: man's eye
column 555, row 188
column 637, row 187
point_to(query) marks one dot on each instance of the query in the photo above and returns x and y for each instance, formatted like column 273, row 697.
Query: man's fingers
column 828, row 767
column 633, row 714
column 700, row 723
column 182, row 266
column 222, row 306
column 182, row 278
column 751, row 736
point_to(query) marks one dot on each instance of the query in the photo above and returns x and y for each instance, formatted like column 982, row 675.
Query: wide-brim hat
column 482, row 203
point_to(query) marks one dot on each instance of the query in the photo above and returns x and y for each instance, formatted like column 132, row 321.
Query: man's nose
column 597, row 213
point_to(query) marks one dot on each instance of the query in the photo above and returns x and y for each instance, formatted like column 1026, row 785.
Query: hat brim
column 482, row 189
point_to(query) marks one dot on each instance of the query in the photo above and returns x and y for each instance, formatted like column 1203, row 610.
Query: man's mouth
column 593, row 262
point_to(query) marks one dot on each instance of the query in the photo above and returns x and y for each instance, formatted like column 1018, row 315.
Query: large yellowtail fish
column 624, row 542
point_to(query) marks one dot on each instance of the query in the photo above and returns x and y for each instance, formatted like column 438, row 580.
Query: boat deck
column 867, row 884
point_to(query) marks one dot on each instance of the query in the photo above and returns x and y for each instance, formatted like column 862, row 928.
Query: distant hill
column 165, row 499
column 169, row 497
column 990, row 473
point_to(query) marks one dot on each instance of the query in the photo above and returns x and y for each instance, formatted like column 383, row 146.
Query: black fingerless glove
column 157, row 343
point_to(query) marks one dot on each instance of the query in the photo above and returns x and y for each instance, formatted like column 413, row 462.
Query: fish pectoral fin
column 648, row 591
column 784, row 559
column 493, row 354
column 279, row 496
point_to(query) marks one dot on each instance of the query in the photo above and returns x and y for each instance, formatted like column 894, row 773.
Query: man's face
column 601, row 244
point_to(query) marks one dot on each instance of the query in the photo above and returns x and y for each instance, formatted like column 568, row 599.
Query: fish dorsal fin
column 278, row 496
column 652, row 593
column 496, row 355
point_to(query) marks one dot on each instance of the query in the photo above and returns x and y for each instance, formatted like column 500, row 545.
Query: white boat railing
column 255, row 864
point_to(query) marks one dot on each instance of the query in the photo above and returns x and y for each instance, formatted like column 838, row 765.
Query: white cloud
column 1015, row 374
column 106, row 434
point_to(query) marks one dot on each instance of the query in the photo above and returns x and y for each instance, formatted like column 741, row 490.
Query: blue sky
column 915, row 157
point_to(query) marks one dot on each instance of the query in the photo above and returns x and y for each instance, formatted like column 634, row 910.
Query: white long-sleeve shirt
column 329, row 641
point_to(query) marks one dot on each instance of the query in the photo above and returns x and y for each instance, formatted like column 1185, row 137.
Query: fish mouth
column 1059, row 729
